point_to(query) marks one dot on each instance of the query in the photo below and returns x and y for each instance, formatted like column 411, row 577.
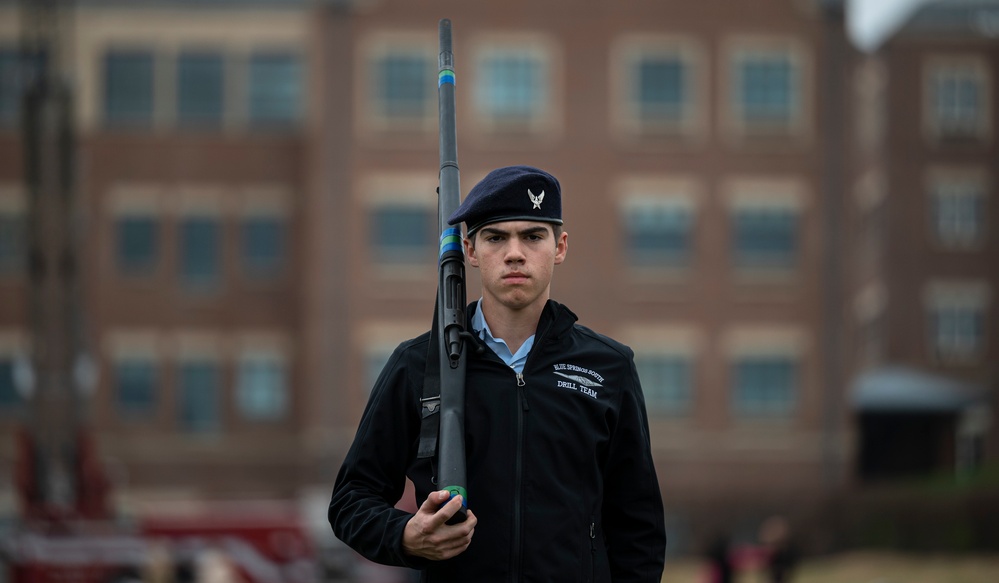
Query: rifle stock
column 450, row 290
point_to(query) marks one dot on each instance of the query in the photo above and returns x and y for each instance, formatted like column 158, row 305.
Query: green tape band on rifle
column 445, row 76
column 459, row 491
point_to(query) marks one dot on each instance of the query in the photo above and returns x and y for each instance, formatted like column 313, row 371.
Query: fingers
column 441, row 514
column 427, row 534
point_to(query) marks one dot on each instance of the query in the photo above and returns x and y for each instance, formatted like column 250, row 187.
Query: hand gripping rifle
column 450, row 310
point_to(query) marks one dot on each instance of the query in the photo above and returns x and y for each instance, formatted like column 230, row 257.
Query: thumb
column 434, row 500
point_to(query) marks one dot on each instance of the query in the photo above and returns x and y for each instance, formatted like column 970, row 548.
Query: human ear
column 561, row 247
column 470, row 252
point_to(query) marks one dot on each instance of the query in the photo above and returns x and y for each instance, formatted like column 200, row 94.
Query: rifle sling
column 430, row 403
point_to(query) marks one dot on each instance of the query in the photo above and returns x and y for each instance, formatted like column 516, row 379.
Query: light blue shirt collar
column 498, row 345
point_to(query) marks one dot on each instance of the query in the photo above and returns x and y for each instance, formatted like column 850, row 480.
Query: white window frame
column 784, row 194
column 626, row 54
column 372, row 51
column 799, row 123
column 978, row 124
column 546, row 117
column 637, row 192
column 966, row 186
column 957, row 347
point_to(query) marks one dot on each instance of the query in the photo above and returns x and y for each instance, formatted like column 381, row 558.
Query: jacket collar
column 555, row 319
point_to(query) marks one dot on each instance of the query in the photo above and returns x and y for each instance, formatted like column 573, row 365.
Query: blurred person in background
column 720, row 567
column 779, row 554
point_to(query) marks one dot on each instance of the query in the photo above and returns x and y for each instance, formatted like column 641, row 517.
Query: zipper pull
column 523, row 395
column 593, row 530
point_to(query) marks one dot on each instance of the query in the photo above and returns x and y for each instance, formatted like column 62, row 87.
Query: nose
column 514, row 251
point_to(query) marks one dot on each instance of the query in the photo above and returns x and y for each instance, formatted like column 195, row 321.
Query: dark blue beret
column 514, row 193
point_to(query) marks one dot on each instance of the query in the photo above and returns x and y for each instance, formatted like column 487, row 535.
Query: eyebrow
column 528, row 231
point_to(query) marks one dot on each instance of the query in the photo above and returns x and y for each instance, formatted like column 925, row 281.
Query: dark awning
column 902, row 389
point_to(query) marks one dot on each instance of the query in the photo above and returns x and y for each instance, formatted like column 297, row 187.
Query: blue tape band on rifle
column 450, row 241
column 445, row 76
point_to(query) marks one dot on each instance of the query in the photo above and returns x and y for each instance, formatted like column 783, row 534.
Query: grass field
column 863, row 567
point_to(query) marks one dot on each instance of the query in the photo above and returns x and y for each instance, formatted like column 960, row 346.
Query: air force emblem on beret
column 536, row 199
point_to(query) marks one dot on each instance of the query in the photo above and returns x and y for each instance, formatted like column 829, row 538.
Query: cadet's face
column 516, row 260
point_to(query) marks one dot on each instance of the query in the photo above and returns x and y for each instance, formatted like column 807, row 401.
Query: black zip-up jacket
column 559, row 467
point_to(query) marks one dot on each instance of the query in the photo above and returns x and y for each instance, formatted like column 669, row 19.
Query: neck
column 512, row 326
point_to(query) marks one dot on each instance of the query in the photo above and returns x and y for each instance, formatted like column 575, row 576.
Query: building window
column 10, row 398
column 128, row 88
column 666, row 382
column 404, row 86
column 18, row 72
column 135, row 386
column 958, row 213
column 661, row 88
column 512, row 87
column 765, row 237
column 13, row 243
column 958, row 99
column 137, row 248
column 263, row 245
column 262, row 389
column 764, row 385
column 200, row 89
column 958, row 331
column 765, row 90
column 658, row 234
column 199, row 396
column 767, row 87
column 11, row 86
column 402, row 233
column 276, row 89
column 200, row 250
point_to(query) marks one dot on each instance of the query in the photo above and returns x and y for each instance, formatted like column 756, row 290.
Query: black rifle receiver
column 450, row 290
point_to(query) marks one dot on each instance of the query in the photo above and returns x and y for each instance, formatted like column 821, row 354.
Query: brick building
column 796, row 237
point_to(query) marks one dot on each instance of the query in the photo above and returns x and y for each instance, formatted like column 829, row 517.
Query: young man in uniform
column 561, row 483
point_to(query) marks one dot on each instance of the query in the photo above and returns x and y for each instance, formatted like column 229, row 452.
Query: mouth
column 515, row 277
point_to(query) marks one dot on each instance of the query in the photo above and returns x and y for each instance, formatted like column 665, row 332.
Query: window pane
column 200, row 252
column 658, row 235
column 403, row 233
column 199, row 397
column 959, row 213
column 958, row 331
column 17, row 73
column 666, row 382
column 13, row 244
column 9, row 397
column 766, row 89
column 128, row 87
column 11, row 86
column 765, row 237
column 958, row 98
column 263, row 242
column 405, row 85
column 661, row 82
column 137, row 244
column 276, row 89
column 512, row 87
column 764, row 385
column 262, row 392
column 200, row 85
column 136, row 386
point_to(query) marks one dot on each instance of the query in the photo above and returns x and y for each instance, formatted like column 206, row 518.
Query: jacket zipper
column 522, row 408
